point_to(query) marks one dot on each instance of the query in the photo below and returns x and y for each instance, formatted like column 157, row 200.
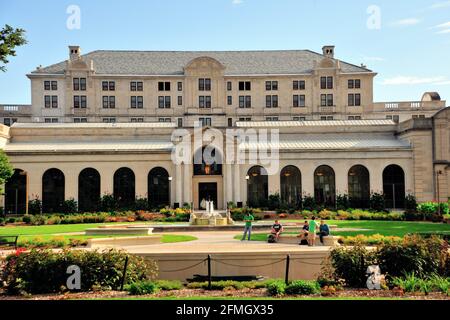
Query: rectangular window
column 80, row 120
column 272, row 101
column 204, row 84
column 299, row 118
column 205, row 122
column 76, row 84
column 230, row 122
column 357, row 99
column 54, row 101
column 112, row 86
column 163, row 86
column 330, row 101
column 326, row 118
column 105, row 102
column 323, row 100
column 298, row 100
column 180, row 100
column 326, row 82
column 351, row 100
column 47, row 101
column 76, row 102
column 137, row 102
column 298, row 85
column 204, row 101
column 164, row 102
column 271, row 85
column 354, row 117
column 245, row 86
column 164, row 120
column 82, row 84
column 109, row 120
column 180, row 122
column 136, row 86
column 108, row 86
column 137, row 120
column 351, row 84
column 54, row 85
column 180, row 86
column 229, row 100
column 105, row 86
column 271, row 118
column 245, row 101
column 46, row 85
column 51, row 120
column 357, row 84
column 229, row 86
column 109, row 102
column 245, row 119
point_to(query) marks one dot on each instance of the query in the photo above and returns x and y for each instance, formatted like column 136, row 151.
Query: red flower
column 19, row 251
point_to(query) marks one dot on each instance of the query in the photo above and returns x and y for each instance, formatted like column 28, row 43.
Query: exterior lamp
column 170, row 178
column 247, row 177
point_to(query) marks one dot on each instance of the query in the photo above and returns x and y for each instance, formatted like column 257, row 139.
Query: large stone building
column 105, row 122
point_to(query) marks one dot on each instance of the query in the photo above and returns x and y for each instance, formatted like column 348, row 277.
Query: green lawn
column 387, row 228
column 60, row 232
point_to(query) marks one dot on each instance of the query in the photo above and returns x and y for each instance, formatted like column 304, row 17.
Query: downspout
column 433, row 148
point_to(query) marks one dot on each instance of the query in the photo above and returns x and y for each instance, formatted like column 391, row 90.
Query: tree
column 10, row 38
column 6, row 169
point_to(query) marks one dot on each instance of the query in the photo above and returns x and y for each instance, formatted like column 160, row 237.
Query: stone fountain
column 210, row 217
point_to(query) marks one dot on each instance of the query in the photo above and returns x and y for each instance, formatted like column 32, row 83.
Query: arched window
column 88, row 190
column 324, row 186
column 359, row 186
column 158, row 187
column 291, row 186
column 124, row 187
column 53, row 189
column 207, row 163
column 16, row 193
column 394, row 187
column 257, row 187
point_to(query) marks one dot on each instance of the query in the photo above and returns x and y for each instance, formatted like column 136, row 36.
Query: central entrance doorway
column 207, row 191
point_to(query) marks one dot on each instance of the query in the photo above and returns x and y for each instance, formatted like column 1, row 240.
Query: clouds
column 440, row 5
column 443, row 28
column 406, row 22
column 415, row 80
column 237, row 2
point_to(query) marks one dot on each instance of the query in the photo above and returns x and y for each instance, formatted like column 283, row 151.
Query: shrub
column 35, row 206
column 342, row 202
column 414, row 255
column 274, row 201
column 301, row 287
column 410, row 203
column 433, row 211
column 141, row 204
column 37, row 220
column 168, row 285
column 371, row 240
column 350, row 264
column 376, row 202
column 142, row 287
column 70, row 206
column 108, row 203
column 308, row 203
column 276, row 288
column 412, row 283
column 44, row 271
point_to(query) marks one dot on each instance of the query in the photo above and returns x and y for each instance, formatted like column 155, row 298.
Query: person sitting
column 324, row 230
column 277, row 229
column 304, row 232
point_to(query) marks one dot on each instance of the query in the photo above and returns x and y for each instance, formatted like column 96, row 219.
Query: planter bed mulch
column 244, row 293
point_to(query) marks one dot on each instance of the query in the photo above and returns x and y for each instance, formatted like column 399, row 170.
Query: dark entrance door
column 207, row 191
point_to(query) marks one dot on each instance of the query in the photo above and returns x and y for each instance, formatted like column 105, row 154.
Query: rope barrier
column 249, row 266
column 183, row 269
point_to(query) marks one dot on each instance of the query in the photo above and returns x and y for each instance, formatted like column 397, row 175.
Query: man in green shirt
column 313, row 227
column 248, row 219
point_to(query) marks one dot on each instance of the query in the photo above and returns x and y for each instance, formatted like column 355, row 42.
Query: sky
column 407, row 42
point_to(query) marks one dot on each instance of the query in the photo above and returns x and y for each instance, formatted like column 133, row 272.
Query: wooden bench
column 8, row 241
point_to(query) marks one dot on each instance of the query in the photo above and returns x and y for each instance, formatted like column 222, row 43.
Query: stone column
column 178, row 184
column 141, row 186
column 274, row 184
column 187, row 185
column 237, row 183
column 228, row 183
column 71, row 184
column 341, row 177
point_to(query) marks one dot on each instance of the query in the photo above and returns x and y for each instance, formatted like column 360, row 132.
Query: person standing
column 248, row 219
column 313, row 228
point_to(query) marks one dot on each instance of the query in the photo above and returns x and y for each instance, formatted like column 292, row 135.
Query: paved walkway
column 221, row 242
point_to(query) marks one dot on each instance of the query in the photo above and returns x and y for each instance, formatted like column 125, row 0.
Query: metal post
column 17, row 200
column 286, row 277
column 209, row 272
column 393, row 195
column 124, row 275
column 438, row 195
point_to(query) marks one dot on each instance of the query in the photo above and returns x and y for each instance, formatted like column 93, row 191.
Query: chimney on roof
column 328, row 51
column 74, row 52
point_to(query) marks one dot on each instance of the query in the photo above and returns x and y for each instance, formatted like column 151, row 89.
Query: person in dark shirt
column 304, row 232
column 324, row 230
column 277, row 229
